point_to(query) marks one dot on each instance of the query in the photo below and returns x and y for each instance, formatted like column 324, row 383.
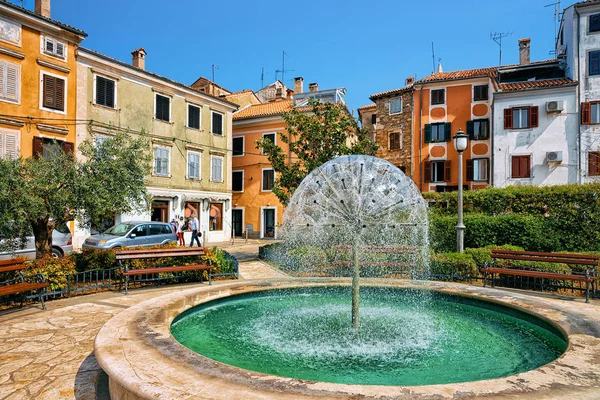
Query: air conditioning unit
column 554, row 157
column 554, row 106
column 561, row 50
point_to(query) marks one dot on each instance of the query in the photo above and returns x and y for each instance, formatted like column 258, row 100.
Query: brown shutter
column 427, row 172
column 49, row 91
column 68, row 147
column 447, row 171
column 38, row 147
column 59, row 95
column 514, row 173
column 533, row 117
column 508, row 120
column 470, row 165
column 585, row 113
column 593, row 163
column 525, row 166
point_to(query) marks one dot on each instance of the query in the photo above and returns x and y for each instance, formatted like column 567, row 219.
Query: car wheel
column 56, row 253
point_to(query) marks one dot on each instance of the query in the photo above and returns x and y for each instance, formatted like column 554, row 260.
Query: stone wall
column 402, row 123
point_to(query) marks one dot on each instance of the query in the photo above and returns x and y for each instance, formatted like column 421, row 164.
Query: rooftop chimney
column 410, row 81
column 524, row 51
column 139, row 58
column 313, row 87
column 42, row 7
column 298, row 85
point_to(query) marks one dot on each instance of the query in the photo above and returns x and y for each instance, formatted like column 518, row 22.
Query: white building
column 578, row 47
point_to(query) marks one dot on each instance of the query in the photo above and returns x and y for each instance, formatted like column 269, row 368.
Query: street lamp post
column 460, row 144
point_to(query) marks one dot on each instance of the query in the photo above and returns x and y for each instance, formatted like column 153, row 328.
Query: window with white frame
column 193, row 116
column 520, row 118
column 105, row 91
column 10, row 82
column 9, row 143
column 396, row 105
column 216, row 123
column 477, row 169
column 216, row 170
column 162, row 108
column 161, row 161
column 268, row 180
column 237, row 181
column 193, row 165
column 238, row 146
column 53, row 92
column 55, row 48
column 271, row 137
column 595, row 113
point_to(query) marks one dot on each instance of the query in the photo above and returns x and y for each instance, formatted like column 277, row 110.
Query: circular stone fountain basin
column 407, row 336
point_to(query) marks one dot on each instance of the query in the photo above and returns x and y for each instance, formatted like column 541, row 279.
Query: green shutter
column 447, row 132
column 427, row 133
column 471, row 129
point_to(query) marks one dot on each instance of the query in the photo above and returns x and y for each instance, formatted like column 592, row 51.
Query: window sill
column 105, row 107
column 396, row 113
column 215, row 181
column 528, row 129
column 238, row 155
column 53, row 111
column 187, row 178
column 194, row 129
column 163, row 121
column 237, row 191
column 216, row 134
column 441, row 104
column 521, row 179
column 54, row 56
column 5, row 100
column 266, row 191
column 161, row 176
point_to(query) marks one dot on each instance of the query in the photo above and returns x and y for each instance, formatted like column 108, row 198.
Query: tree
column 38, row 193
column 314, row 136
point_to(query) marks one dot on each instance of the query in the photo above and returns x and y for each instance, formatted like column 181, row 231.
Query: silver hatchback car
column 62, row 245
column 132, row 234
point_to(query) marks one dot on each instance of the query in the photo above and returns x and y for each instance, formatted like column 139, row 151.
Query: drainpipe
column 421, row 140
column 578, row 105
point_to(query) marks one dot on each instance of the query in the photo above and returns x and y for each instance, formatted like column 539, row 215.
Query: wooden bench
column 123, row 255
column 20, row 284
column 563, row 258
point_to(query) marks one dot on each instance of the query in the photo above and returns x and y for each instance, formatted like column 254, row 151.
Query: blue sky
column 366, row 47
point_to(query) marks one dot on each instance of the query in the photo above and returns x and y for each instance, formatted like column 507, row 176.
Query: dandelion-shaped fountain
column 363, row 202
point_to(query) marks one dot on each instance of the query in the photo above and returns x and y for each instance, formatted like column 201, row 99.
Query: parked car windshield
column 119, row 229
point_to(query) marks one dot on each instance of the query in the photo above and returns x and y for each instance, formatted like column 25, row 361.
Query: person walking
column 180, row 226
column 196, row 230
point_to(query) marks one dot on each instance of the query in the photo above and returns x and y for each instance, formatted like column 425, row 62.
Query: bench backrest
column 158, row 253
column 12, row 265
column 564, row 258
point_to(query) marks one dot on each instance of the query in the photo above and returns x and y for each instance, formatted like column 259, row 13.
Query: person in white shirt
column 196, row 230
column 180, row 225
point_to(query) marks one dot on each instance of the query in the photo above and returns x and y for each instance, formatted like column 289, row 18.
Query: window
column 438, row 132
column 193, row 117
column 193, row 165
column 374, row 119
column 55, row 48
column 480, row 92
column 216, row 126
column 437, row 171
column 590, row 113
column 216, row 172
column 269, row 136
column 395, row 141
column 105, row 92
column 140, row 230
column 521, row 166
column 238, row 146
column 9, row 143
column 396, row 105
column 594, row 163
column 53, row 93
column 521, row 117
column 478, row 129
column 594, row 23
column 49, row 148
column 162, row 108
column 216, row 217
column 594, row 60
column 478, row 169
column 438, row 96
column 161, row 161
column 268, row 180
column 237, row 181
column 10, row 82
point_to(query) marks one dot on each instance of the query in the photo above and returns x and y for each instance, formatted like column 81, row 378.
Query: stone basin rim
column 143, row 360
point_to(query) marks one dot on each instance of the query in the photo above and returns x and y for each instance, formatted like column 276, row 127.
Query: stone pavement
column 49, row 354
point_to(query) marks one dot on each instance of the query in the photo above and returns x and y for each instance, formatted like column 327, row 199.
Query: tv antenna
column 213, row 71
column 262, row 77
column 497, row 37
column 557, row 16
column 433, row 58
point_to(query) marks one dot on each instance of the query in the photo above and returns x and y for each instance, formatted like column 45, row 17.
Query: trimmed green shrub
column 462, row 264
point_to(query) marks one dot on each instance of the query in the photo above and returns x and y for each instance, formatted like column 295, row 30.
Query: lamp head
column 461, row 141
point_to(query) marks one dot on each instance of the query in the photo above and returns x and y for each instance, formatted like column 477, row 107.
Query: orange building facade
column 256, row 210
column 445, row 102
column 38, row 82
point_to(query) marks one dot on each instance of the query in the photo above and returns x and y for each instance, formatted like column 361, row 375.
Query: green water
column 407, row 336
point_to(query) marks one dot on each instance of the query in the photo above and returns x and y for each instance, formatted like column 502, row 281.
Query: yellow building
column 38, row 81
